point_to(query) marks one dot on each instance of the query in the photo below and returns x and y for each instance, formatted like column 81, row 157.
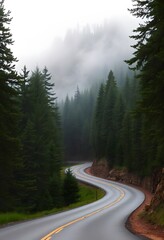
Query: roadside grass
column 87, row 193
column 156, row 217
column 11, row 217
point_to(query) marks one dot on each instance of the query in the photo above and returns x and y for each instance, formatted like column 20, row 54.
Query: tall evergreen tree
column 149, row 60
column 126, row 137
column 49, row 86
column 29, row 170
column 70, row 188
column 41, row 140
column 67, row 126
column 107, row 120
column 97, row 132
column 118, row 115
column 111, row 93
column 24, row 97
column 9, row 116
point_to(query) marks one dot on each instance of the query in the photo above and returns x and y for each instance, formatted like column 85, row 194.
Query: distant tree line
column 117, row 128
column 77, row 115
column 108, row 124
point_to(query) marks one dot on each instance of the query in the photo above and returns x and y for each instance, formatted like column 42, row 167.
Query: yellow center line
column 48, row 236
column 59, row 229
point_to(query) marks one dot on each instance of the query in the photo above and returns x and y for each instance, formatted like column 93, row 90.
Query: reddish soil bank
column 138, row 225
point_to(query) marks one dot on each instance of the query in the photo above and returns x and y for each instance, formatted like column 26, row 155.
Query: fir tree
column 108, row 118
column 41, row 141
column 149, row 60
column 9, row 117
column 70, row 188
column 97, row 133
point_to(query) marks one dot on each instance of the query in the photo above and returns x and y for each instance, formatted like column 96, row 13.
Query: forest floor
column 139, row 225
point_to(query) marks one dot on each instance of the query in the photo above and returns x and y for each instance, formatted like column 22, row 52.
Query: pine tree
column 77, row 116
column 111, row 93
column 97, row 132
column 41, row 141
column 149, row 60
column 126, row 138
column 24, row 97
column 118, row 115
column 49, row 86
column 70, row 188
column 67, row 127
column 104, row 125
column 29, row 189
column 9, row 117
column 38, row 116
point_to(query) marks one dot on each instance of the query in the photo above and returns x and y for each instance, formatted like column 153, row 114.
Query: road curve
column 102, row 220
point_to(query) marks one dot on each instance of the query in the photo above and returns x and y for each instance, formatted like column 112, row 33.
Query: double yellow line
column 59, row 229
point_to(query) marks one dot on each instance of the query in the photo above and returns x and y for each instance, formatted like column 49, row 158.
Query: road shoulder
column 138, row 225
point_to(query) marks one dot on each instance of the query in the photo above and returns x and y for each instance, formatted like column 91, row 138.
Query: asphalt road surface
column 102, row 220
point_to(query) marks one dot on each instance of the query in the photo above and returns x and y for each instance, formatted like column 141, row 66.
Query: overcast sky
column 39, row 28
column 36, row 23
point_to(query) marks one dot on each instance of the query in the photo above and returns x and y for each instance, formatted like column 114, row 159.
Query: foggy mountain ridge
column 87, row 55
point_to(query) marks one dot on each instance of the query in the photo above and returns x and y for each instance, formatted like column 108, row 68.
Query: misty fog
column 87, row 54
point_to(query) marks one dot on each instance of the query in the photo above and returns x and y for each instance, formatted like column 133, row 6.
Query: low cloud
column 87, row 55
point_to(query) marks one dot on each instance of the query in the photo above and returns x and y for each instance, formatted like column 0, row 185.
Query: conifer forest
column 119, row 118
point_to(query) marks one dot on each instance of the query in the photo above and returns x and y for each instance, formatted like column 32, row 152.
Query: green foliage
column 70, row 188
column 87, row 194
column 124, row 125
column 97, row 132
column 109, row 132
column 155, row 217
column 118, row 129
column 132, row 130
column 11, row 217
column 149, row 60
column 77, row 114
column 10, row 160
column 107, row 124
column 41, row 143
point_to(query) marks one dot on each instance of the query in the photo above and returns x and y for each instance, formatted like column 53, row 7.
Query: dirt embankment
column 135, row 223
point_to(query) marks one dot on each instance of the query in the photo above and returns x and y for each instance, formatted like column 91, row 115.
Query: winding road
column 102, row 220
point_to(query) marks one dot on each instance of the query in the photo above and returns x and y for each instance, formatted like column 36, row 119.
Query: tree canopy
column 9, row 116
column 148, row 59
